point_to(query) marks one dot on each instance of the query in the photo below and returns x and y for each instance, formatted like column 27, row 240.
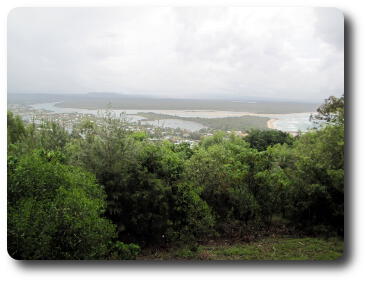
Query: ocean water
column 293, row 122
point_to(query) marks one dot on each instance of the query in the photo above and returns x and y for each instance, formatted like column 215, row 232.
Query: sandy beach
column 270, row 123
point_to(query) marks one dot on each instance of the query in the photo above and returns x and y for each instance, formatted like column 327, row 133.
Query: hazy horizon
column 234, row 53
column 115, row 95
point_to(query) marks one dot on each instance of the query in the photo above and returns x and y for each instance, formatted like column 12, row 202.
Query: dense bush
column 262, row 139
column 54, row 211
column 317, row 195
column 124, row 251
column 73, row 196
column 312, row 174
column 190, row 216
column 139, row 178
column 221, row 166
column 16, row 128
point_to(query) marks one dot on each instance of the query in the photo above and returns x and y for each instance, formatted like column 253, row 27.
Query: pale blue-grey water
column 293, row 122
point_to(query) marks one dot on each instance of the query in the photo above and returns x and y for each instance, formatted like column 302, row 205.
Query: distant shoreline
column 229, row 113
column 258, row 109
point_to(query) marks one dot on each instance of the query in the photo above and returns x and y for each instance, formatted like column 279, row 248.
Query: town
column 155, row 132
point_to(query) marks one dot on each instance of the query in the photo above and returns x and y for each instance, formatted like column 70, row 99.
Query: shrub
column 121, row 251
column 262, row 139
column 55, row 211
column 190, row 216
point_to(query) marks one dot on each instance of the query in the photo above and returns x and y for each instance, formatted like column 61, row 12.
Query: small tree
column 262, row 139
column 331, row 111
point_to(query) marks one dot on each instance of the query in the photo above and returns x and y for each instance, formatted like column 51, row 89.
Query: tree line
column 104, row 192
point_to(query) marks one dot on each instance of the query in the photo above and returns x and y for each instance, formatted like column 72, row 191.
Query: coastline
column 225, row 113
column 177, row 112
column 271, row 123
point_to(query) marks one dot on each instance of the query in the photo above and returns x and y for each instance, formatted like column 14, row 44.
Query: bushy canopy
column 76, row 196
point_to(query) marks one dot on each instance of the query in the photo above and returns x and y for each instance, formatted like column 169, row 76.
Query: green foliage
column 139, row 136
column 221, row 166
column 134, row 176
column 331, row 111
column 71, row 196
column 317, row 195
column 121, row 251
column 22, row 139
column 185, row 253
column 139, row 177
column 54, row 211
column 318, row 190
column 16, row 128
column 52, row 136
column 190, row 215
column 262, row 139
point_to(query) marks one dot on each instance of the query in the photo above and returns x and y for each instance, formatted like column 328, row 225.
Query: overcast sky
column 288, row 53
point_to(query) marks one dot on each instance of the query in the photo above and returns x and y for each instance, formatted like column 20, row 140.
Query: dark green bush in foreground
column 55, row 211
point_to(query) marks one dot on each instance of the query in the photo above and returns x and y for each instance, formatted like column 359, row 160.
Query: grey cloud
column 292, row 53
column 330, row 26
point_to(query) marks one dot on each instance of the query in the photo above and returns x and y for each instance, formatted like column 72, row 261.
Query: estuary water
column 291, row 122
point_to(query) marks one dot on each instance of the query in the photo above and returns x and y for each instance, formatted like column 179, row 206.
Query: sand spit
column 271, row 123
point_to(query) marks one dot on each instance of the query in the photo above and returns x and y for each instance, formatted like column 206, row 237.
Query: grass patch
column 266, row 249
